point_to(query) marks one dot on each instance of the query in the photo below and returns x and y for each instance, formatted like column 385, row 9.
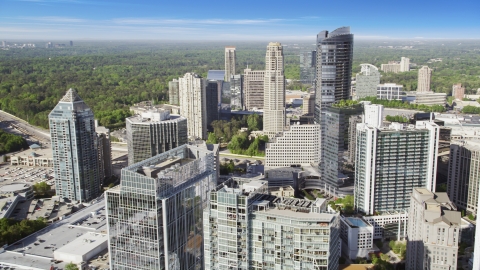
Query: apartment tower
column 192, row 91
column 74, row 148
column 367, row 81
column 274, row 90
column 424, row 77
column 230, row 60
column 173, row 93
column 253, row 89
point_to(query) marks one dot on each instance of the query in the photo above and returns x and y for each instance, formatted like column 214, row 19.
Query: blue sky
column 235, row 20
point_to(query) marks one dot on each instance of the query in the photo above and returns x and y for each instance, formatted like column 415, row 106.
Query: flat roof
column 216, row 75
column 138, row 119
column 39, row 152
column 83, row 244
column 310, row 216
column 358, row 222
column 14, row 188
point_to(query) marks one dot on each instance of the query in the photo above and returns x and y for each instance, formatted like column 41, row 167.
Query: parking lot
column 11, row 174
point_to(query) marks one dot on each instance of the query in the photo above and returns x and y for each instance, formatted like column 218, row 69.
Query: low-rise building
column 390, row 91
column 357, row 237
column 33, row 158
column 429, row 98
column 284, row 191
column 82, row 249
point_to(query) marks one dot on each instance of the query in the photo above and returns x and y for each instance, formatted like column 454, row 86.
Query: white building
column 392, row 66
column 366, row 81
column 373, row 115
column 230, row 60
column 297, row 146
column 82, row 249
column 391, row 225
column 424, row 77
column 433, row 231
column 274, row 87
column 430, row 98
column 404, row 64
column 390, row 91
column 192, row 91
column 357, row 237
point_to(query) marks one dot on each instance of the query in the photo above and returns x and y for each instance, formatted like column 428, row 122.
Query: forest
column 111, row 76
column 10, row 142
column 12, row 230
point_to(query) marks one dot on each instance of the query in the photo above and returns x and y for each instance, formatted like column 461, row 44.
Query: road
column 16, row 125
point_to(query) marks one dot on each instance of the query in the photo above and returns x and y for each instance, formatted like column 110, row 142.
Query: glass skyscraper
column 154, row 217
column 74, row 147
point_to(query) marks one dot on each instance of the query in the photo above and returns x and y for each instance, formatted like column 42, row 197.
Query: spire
column 71, row 96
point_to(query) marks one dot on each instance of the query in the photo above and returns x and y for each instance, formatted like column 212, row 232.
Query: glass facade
column 307, row 67
column 74, row 149
column 155, row 217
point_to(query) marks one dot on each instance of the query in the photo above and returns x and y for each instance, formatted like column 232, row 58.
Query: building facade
column 373, row 115
column 307, row 67
column 154, row 218
column 463, row 183
column 173, row 92
column 274, row 90
column 154, row 132
column 213, row 90
column 236, row 92
column 74, row 148
column 357, row 237
column 297, row 146
column 390, row 162
column 230, row 61
column 433, row 231
column 104, row 147
column 367, row 81
column 424, row 78
column 253, row 82
column 404, row 64
column 192, row 89
column 458, row 92
column 392, row 66
column 390, row 91
column 245, row 228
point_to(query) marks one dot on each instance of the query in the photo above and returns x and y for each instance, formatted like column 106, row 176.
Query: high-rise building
column 390, row 91
column 274, row 95
column 307, row 67
column 289, row 149
column 253, row 82
column 352, row 137
column 308, row 104
column 104, row 149
column 333, row 68
column 211, row 105
column 464, row 175
column 391, row 161
column 404, row 64
column 245, row 228
column 74, row 148
column 173, row 92
column 433, row 231
column 236, row 91
column 71, row 43
column 335, row 144
column 154, row 132
column 373, row 115
column 392, row 66
column 458, row 92
column 367, row 81
column 424, row 77
column 4, row 44
column 476, row 256
column 230, row 60
column 192, row 91
column 154, row 218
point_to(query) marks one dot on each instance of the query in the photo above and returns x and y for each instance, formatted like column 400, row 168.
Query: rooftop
column 83, row 244
column 216, row 75
column 357, row 222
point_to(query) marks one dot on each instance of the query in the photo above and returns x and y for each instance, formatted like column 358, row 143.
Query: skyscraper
column 154, row 132
column 433, row 231
column 230, row 60
column 373, row 115
column 192, row 91
column 307, row 67
column 155, row 216
column 367, row 81
column 173, row 92
column 245, row 228
column 104, row 147
column 333, row 67
column 236, row 92
column 274, row 87
column 390, row 162
column 253, row 88
column 424, row 77
column 213, row 90
column 404, row 64
column 74, row 148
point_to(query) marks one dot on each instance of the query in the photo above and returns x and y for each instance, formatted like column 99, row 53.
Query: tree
column 212, row 139
column 41, row 188
column 71, row 266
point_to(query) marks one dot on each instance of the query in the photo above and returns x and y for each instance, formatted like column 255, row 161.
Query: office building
column 464, row 175
column 253, row 82
column 333, row 68
column 74, row 148
column 367, row 81
column 236, row 92
column 230, row 60
column 307, row 67
column 335, row 144
column 245, row 228
column 154, row 218
column 357, row 237
column 458, row 92
column 297, row 146
column 192, row 91
column 404, row 64
column 429, row 98
column 274, row 90
column 433, row 231
column 352, row 136
column 424, row 78
column 391, row 161
column 104, row 149
column 173, row 92
column 390, row 91
column 213, row 90
column 154, row 132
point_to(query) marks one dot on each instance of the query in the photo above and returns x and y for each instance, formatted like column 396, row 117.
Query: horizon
column 226, row 21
